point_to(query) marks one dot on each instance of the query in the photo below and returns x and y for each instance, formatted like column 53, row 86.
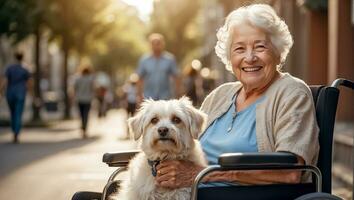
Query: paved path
column 54, row 163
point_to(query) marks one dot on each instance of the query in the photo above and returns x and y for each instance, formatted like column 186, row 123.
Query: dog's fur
column 184, row 123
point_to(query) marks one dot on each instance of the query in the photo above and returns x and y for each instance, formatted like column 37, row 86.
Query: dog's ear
column 196, row 118
column 136, row 125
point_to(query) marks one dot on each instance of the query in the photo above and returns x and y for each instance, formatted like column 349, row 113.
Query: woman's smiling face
column 253, row 57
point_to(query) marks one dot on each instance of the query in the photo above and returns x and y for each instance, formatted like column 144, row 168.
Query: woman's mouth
column 251, row 69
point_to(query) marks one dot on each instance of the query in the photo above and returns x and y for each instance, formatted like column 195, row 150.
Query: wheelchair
column 325, row 98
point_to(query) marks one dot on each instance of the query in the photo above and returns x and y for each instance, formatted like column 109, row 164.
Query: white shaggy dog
column 169, row 130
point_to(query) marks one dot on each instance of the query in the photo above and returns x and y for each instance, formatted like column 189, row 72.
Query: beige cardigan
column 285, row 119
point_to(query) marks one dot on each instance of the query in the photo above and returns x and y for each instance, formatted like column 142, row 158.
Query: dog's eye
column 176, row 120
column 154, row 120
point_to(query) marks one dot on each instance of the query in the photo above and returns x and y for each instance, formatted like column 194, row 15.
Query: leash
column 153, row 164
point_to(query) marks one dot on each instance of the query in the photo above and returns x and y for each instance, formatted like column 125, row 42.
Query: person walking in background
column 192, row 83
column 130, row 91
column 18, row 82
column 156, row 70
column 130, row 94
column 103, row 93
column 84, row 90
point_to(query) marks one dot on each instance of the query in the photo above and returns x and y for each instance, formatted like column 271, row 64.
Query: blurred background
column 59, row 36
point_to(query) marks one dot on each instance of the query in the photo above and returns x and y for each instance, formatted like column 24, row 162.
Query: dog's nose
column 162, row 131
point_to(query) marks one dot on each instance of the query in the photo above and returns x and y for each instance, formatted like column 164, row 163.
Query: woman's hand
column 176, row 173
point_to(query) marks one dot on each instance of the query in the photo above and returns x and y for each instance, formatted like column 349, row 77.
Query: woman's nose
column 250, row 56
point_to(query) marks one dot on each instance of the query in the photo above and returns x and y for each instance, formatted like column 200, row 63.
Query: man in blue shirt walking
column 17, row 79
column 156, row 70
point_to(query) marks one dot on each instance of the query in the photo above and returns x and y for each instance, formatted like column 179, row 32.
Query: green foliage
column 119, row 49
column 107, row 34
column 176, row 20
column 20, row 18
column 320, row 5
column 73, row 23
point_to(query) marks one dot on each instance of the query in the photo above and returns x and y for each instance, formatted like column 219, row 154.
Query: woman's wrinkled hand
column 176, row 173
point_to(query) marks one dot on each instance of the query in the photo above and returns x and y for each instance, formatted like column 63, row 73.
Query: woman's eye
column 239, row 49
column 154, row 120
column 176, row 120
column 260, row 47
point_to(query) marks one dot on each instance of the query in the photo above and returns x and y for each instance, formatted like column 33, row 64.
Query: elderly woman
column 265, row 111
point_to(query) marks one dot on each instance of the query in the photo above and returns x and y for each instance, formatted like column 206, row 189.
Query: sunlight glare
column 144, row 7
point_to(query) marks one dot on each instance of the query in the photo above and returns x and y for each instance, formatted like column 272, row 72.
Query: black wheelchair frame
column 325, row 98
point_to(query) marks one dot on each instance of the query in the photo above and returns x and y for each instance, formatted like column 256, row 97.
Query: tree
column 15, row 19
column 176, row 20
column 20, row 19
column 74, row 25
column 121, row 47
column 84, row 27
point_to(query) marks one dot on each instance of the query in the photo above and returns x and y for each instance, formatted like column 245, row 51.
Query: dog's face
column 167, row 127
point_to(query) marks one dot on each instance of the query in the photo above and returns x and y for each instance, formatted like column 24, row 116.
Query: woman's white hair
column 261, row 16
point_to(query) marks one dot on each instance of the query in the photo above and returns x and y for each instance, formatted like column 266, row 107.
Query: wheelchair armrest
column 119, row 159
column 256, row 161
column 228, row 160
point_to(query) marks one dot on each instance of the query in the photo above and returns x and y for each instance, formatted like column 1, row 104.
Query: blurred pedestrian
column 84, row 90
column 103, row 94
column 156, row 70
column 192, row 83
column 131, row 95
column 120, row 96
column 208, row 81
column 17, row 81
column 100, row 95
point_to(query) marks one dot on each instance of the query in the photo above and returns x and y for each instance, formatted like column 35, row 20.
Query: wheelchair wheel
column 113, row 187
column 318, row 196
column 87, row 196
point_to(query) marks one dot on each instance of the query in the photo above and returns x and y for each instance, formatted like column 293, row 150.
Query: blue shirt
column 156, row 73
column 17, row 77
column 232, row 132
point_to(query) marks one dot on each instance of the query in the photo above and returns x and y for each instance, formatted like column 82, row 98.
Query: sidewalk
column 46, row 116
column 343, row 152
column 54, row 163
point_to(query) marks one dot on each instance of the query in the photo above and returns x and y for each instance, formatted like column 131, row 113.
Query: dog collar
column 153, row 164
